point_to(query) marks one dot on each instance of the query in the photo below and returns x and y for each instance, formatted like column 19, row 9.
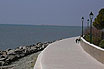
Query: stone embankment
column 11, row 55
column 93, row 50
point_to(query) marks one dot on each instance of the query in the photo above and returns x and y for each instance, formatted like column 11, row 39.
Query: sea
column 12, row 36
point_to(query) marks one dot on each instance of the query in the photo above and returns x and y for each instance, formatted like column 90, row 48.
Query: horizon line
column 39, row 24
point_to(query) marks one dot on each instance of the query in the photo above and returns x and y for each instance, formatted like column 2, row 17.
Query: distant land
column 35, row 25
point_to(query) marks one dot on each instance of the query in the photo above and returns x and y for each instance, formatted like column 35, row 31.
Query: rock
column 29, row 49
column 0, row 56
column 39, row 44
column 43, row 46
column 24, row 47
column 2, row 63
column 33, row 48
column 18, row 51
column 8, row 50
column 22, row 55
column 11, row 51
column 6, row 62
column 0, row 53
column 17, row 55
column 21, row 47
column 4, row 53
column 2, row 59
column 11, row 57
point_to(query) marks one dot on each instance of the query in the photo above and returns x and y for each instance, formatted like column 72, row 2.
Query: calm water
column 12, row 36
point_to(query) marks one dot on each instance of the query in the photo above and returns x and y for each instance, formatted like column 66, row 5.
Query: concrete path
column 66, row 54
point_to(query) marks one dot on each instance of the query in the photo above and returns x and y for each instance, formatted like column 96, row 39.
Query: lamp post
column 91, row 17
column 88, row 23
column 82, row 25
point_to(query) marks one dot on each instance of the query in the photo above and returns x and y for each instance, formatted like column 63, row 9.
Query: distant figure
column 79, row 40
column 76, row 40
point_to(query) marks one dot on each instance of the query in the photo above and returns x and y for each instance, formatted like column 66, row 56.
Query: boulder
column 21, row 47
column 2, row 63
column 43, row 46
column 22, row 55
column 0, row 53
column 2, row 59
column 11, row 57
column 6, row 62
column 18, row 51
column 39, row 44
column 4, row 53
column 11, row 51
column 24, row 47
column 33, row 48
column 8, row 49
column 17, row 55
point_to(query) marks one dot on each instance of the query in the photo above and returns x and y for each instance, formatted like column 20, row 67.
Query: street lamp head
column 88, row 20
column 82, row 18
column 91, row 15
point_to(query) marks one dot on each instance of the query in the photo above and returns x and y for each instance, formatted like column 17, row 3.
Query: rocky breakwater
column 11, row 55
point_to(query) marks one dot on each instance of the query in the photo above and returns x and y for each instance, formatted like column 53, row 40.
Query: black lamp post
column 91, row 17
column 88, row 23
column 82, row 25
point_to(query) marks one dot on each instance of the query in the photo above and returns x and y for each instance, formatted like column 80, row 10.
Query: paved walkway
column 66, row 54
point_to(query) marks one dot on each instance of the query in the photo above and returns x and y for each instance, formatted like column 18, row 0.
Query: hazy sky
column 51, row 12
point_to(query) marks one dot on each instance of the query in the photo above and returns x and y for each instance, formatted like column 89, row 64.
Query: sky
column 48, row 12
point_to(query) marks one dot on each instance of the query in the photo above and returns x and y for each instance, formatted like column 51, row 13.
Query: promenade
column 66, row 54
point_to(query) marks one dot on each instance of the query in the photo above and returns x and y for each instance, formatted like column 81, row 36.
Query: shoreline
column 21, row 52
column 10, row 56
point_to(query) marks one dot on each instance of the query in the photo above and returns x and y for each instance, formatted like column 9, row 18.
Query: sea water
column 12, row 36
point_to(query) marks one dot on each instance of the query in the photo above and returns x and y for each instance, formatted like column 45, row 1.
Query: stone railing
column 93, row 50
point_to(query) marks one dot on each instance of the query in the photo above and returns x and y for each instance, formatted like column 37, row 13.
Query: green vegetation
column 97, row 30
column 95, row 40
column 99, row 20
column 87, row 37
column 101, row 44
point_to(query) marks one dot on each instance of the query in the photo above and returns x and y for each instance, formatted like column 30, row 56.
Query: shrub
column 95, row 32
column 97, row 35
column 99, row 20
column 95, row 40
column 101, row 44
column 87, row 37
